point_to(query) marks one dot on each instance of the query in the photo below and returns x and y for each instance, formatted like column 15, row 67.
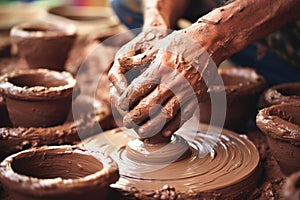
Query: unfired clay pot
column 282, row 93
column 291, row 188
column 281, row 124
column 37, row 97
column 44, row 45
column 58, row 173
column 243, row 87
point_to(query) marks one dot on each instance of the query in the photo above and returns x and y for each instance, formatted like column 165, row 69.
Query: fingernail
column 167, row 133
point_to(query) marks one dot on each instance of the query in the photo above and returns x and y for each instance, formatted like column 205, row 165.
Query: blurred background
column 90, row 16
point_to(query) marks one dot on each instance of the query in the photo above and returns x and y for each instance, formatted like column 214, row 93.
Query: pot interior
column 53, row 164
column 38, row 79
column 290, row 91
column 287, row 112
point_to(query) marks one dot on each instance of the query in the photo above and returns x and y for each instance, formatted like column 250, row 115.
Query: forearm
column 163, row 13
column 230, row 28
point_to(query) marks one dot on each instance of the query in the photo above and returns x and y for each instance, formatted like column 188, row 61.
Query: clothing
column 277, row 57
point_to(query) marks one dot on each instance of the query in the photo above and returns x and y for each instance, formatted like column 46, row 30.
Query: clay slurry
column 226, row 164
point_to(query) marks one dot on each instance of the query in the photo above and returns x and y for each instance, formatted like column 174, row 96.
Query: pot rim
column 10, row 90
column 273, row 96
column 60, row 29
column 107, row 175
column 255, row 84
column 276, row 127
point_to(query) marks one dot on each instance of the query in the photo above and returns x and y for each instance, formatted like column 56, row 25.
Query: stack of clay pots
column 280, row 121
column 37, row 96
column 34, row 105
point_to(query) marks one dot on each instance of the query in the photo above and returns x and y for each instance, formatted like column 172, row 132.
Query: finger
column 117, row 78
column 122, row 65
column 156, row 124
column 117, row 71
column 130, row 49
column 140, row 87
column 141, row 111
column 141, row 59
column 182, row 116
column 114, row 98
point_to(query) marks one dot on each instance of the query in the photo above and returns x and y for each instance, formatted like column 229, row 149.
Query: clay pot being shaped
column 44, row 45
column 242, row 87
column 58, row 173
column 281, row 124
column 292, row 187
column 282, row 93
column 37, row 97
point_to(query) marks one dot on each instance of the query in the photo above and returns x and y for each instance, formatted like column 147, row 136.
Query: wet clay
column 223, row 166
column 283, row 93
column 49, row 44
column 13, row 140
column 281, row 123
column 292, row 187
column 243, row 87
column 37, row 97
column 58, row 172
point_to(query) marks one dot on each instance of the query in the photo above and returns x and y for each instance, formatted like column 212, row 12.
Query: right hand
column 140, row 47
column 175, row 79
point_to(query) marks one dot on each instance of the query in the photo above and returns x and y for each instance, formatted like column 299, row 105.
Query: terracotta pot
column 58, row 173
column 44, row 45
column 282, row 93
column 37, row 97
column 281, row 124
column 292, row 187
column 243, row 87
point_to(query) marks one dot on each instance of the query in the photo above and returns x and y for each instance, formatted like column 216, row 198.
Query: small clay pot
column 37, row 97
column 292, row 187
column 282, row 93
column 281, row 124
column 58, row 173
column 242, row 87
column 44, row 45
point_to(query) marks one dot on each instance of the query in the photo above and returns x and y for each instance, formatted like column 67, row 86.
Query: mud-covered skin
column 176, row 79
column 222, row 32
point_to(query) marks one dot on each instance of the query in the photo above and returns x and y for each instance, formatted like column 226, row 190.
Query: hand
column 165, row 94
column 138, row 47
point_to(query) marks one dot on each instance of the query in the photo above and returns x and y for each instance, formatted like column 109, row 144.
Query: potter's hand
column 139, row 47
column 165, row 95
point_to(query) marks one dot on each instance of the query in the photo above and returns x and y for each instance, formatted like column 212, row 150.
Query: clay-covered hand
column 166, row 94
column 139, row 47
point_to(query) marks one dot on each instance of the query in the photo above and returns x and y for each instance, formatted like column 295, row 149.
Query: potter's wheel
column 225, row 165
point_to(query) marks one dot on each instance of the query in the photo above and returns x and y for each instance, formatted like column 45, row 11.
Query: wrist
column 216, row 33
column 153, row 18
column 209, row 38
